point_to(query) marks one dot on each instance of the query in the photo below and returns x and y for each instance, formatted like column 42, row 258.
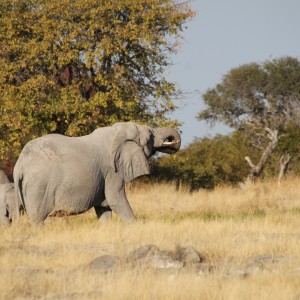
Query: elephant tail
column 19, row 190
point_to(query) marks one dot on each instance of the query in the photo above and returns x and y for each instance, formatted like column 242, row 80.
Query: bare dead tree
column 284, row 162
column 257, row 169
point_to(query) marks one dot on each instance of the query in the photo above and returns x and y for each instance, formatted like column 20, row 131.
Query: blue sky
column 223, row 35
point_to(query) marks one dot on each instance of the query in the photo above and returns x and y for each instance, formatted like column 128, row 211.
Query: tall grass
column 227, row 226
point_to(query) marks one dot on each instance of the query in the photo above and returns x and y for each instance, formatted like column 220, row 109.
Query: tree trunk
column 284, row 162
column 256, row 170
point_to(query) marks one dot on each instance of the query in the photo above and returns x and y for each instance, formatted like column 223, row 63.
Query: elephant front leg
column 103, row 212
column 116, row 198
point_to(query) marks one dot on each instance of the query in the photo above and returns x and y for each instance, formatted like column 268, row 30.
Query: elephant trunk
column 167, row 140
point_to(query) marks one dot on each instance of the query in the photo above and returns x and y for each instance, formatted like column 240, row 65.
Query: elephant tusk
column 170, row 143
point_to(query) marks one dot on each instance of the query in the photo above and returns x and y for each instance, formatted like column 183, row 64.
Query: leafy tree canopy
column 257, row 100
column 209, row 162
column 205, row 163
column 262, row 100
column 69, row 66
column 256, row 96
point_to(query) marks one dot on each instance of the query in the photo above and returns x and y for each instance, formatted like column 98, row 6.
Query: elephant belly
column 73, row 199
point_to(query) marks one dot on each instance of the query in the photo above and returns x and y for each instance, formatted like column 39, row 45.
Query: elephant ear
column 128, row 157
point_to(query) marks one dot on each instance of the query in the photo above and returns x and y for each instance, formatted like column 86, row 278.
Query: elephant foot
column 105, row 217
column 104, row 214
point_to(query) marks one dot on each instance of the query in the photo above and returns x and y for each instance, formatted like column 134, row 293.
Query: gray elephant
column 57, row 175
column 3, row 177
column 9, row 208
column 7, row 203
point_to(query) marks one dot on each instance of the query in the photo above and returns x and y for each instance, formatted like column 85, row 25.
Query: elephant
column 9, row 207
column 7, row 203
column 3, row 177
column 59, row 175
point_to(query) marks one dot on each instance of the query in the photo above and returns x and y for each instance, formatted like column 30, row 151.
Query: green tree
column 209, row 162
column 70, row 66
column 261, row 100
column 205, row 163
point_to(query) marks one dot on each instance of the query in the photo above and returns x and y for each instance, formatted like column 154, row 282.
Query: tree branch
column 256, row 170
column 284, row 162
column 250, row 163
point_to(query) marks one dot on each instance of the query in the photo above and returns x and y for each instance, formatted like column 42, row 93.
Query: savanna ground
column 229, row 227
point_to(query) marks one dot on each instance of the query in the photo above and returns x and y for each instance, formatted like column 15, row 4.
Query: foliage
column 288, row 143
column 70, row 66
column 209, row 162
column 251, row 98
column 255, row 96
column 261, row 100
column 205, row 163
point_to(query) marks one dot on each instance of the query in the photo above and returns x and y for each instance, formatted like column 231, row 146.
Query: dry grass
column 227, row 226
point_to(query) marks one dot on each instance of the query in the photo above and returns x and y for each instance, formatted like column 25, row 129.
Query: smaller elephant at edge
column 9, row 207
column 60, row 175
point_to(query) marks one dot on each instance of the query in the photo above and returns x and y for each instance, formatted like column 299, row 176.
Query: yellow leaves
column 69, row 66
column 100, row 99
column 23, row 64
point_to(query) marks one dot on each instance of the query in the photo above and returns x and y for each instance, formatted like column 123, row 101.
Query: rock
column 204, row 268
column 161, row 261
column 267, row 262
column 103, row 263
column 188, row 255
column 254, row 268
column 236, row 272
column 262, row 259
column 143, row 252
column 230, row 270
column 151, row 256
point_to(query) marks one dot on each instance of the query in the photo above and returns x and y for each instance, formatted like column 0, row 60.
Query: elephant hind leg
column 104, row 213
column 38, row 203
column 35, row 216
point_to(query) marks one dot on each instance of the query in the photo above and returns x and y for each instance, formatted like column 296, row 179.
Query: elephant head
column 134, row 144
column 10, row 208
column 167, row 140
